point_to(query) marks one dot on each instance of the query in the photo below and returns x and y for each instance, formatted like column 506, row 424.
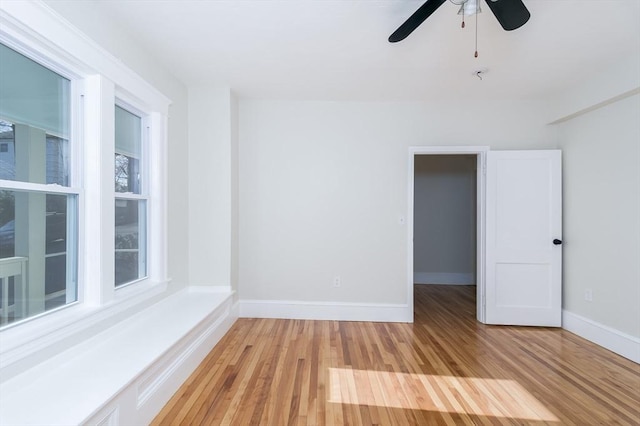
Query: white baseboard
column 287, row 309
column 447, row 278
column 621, row 343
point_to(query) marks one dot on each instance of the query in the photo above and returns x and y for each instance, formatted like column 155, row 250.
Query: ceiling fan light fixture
column 511, row 14
column 470, row 7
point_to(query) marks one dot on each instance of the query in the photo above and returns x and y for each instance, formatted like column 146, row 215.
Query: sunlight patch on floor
column 470, row 395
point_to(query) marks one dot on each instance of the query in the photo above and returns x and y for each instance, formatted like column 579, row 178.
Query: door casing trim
column 481, row 169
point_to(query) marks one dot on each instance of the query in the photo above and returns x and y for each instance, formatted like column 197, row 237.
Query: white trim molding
column 445, row 278
column 331, row 311
column 609, row 338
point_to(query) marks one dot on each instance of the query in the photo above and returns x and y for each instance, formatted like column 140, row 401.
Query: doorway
column 444, row 231
column 447, row 248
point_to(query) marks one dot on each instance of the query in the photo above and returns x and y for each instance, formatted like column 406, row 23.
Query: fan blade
column 511, row 14
column 415, row 20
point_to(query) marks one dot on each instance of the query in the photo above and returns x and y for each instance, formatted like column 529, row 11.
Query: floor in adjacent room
column 445, row 368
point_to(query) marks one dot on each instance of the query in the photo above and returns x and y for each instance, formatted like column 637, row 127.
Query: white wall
column 212, row 187
column 444, row 246
column 324, row 184
column 602, row 214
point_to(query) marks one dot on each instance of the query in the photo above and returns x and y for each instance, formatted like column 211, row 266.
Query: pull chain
column 476, row 54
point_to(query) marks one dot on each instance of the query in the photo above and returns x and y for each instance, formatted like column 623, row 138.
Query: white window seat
column 125, row 374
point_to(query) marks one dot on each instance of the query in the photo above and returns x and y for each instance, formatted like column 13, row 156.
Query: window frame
column 143, row 194
column 98, row 79
column 74, row 187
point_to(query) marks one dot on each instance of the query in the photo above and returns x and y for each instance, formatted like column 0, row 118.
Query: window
column 82, row 184
column 38, row 208
column 130, row 202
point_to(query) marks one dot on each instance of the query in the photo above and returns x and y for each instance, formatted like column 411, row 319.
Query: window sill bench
column 125, row 374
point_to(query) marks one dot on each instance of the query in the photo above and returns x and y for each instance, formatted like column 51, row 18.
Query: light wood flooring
column 446, row 368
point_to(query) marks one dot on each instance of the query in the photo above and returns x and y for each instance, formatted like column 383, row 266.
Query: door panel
column 524, row 216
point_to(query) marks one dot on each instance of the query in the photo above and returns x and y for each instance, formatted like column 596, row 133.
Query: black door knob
column 557, row 242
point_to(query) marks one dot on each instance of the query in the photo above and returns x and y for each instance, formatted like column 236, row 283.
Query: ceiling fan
column 511, row 14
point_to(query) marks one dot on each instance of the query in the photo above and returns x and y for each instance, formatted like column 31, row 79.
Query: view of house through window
column 38, row 209
column 130, row 202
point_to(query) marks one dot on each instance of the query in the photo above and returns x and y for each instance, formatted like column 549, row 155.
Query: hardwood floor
column 446, row 368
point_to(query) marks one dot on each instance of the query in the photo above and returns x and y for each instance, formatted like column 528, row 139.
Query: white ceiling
column 338, row 49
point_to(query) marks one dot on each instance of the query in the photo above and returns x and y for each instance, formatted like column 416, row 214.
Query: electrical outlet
column 337, row 281
column 588, row 295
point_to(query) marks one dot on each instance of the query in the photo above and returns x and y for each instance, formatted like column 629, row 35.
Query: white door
column 523, row 238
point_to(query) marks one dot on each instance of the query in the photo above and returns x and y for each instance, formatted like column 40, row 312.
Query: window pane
column 37, row 245
column 50, row 157
column 7, row 151
column 7, row 228
column 127, row 174
column 57, row 160
column 130, row 244
column 32, row 94
column 128, row 151
column 34, row 133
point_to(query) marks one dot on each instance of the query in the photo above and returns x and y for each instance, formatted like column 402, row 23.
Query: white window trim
column 32, row 27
